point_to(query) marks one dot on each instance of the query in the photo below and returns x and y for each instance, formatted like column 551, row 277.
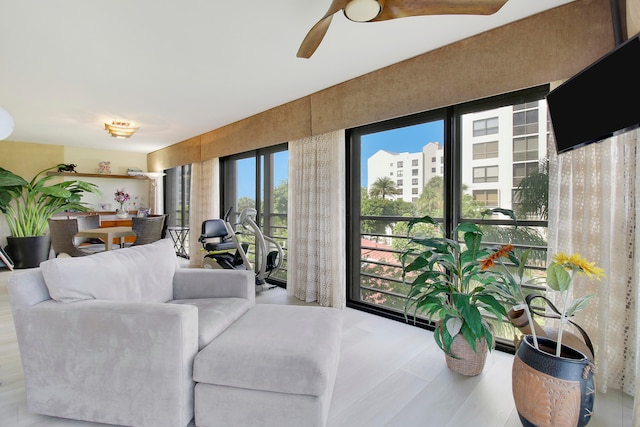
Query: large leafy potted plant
column 27, row 207
column 450, row 287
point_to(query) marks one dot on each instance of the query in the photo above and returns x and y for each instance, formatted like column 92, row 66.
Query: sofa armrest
column 193, row 283
column 112, row 362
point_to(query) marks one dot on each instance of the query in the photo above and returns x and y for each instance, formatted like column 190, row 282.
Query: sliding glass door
column 451, row 164
column 259, row 180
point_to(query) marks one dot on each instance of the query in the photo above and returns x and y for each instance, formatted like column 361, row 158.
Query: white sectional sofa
column 112, row 337
column 119, row 337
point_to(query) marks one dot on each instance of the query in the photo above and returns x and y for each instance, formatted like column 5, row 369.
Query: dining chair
column 88, row 222
column 62, row 232
column 148, row 229
column 165, row 224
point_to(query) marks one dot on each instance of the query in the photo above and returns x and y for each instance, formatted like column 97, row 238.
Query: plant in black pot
column 27, row 207
column 553, row 383
column 450, row 287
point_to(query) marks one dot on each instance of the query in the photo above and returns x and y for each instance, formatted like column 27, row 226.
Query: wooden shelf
column 96, row 175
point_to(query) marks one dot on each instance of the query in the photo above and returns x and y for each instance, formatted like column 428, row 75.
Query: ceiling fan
column 382, row 10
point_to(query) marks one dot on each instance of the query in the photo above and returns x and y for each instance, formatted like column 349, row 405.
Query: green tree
column 245, row 202
column 382, row 207
column 431, row 201
column 531, row 198
column 382, row 187
column 281, row 197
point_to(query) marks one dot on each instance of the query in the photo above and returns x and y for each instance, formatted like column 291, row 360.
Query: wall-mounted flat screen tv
column 600, row 101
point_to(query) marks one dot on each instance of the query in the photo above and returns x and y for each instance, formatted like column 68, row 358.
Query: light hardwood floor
column 390, row 374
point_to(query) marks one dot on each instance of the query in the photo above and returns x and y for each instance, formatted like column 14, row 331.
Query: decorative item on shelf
column 121, row 197
column 136, row 202
column 104, row 168
column 28, row 205
column 119, row 129
column 71, row 168
column 143, row 212
column 135, row 172
column 451, row 289
column 553, row 383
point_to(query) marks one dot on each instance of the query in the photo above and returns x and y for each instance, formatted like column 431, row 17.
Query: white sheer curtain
column 316, row 269
column 204, row 204
column 594, row 202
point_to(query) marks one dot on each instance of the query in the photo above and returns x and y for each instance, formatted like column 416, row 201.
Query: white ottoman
column 275, row 366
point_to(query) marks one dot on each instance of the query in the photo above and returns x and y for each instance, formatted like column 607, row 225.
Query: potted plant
column 450, row 286
column 520, row 306
column 27, row 207
column 553, row 383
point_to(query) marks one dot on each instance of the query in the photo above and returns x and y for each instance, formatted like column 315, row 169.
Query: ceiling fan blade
column 403, row 8
column 317, row 32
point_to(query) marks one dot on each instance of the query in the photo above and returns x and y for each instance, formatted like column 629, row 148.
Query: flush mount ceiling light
column 363, row 10
column 120, row 129
column 6, row 124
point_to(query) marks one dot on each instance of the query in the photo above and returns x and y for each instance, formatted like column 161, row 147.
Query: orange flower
column 489, row 261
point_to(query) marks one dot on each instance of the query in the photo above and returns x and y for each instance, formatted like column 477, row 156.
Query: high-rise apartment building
column 499, row 148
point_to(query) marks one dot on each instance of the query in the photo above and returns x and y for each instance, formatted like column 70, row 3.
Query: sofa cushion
column 215, row 315
column 140, row 273
column 277, row 348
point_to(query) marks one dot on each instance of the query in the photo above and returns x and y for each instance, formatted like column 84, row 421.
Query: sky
column 406, row 139
column 247, row 178
column 409, row 139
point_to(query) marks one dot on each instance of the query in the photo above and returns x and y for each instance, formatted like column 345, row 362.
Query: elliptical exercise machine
column 227, row 252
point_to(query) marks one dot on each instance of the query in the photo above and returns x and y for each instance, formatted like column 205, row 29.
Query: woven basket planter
column 466, row 361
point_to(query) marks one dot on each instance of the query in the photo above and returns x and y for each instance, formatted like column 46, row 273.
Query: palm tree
column 382, row 187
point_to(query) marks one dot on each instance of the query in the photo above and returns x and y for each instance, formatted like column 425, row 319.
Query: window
column 521, row 170
column 414, row 162
column 177, row 193
column 399, row 174
column 485, row 126
column 525, row 148
column 399, row 165
column 414, row 181
column 485, row 150
column 485, row 174
column 399, row 183
column 486, row 198
column 525, row 118
column 378, row 228
column 259, row 180
column 414, row 172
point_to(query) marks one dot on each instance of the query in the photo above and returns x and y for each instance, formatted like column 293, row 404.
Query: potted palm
column 450, row 287
column 27, row 207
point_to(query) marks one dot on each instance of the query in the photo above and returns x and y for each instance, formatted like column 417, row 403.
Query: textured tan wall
column 633, row 17
column 182, row 153
column 547, row 47
column 40, row 157
column 281, row 124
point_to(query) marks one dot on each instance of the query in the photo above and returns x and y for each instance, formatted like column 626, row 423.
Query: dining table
column 107, row 234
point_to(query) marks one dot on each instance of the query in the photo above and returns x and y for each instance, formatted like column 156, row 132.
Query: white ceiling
column 178, row 69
